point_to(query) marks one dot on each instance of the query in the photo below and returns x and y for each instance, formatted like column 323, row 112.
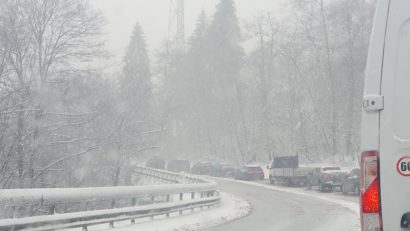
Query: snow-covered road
column 280, row 208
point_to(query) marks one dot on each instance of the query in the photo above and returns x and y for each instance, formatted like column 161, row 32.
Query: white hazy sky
column 153, row 16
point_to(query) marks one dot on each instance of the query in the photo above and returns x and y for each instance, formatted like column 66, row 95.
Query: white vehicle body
column 386, row 121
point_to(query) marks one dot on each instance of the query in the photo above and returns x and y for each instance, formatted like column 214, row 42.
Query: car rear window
column 257, row 169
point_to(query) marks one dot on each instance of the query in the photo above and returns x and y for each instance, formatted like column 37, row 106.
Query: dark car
column 156, row 163
column 179, row 166
column 203, row 168
column 249, row 173
column 223, row 170
column 351, row 184
column 331, row 177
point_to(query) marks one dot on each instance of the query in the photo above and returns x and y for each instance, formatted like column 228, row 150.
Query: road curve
column 276, row 211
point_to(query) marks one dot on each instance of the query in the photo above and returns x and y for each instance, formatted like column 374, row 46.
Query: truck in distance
column 285, row 170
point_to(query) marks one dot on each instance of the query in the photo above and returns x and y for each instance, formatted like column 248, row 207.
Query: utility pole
column 176, row 26
column 175, row 52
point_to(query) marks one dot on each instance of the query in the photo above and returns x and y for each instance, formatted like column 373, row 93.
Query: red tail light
column 370, row 211
column 370, row 198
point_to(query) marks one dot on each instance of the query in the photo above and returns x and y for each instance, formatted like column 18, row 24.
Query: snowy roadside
column 231, row 208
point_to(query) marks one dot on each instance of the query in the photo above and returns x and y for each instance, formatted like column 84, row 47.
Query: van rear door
column 394, row 152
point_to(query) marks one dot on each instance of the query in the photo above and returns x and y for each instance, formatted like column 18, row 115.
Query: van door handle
column 405, row 221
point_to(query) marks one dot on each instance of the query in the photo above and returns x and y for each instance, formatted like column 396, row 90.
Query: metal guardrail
column 169, row 177
column 185, row 192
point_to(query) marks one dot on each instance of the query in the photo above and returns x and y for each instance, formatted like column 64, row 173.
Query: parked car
column 249, row 172
column 331, row 177
column 202, row 168
column 156, row 163
column 223, row 170
column 351, row 183
column 179, row 166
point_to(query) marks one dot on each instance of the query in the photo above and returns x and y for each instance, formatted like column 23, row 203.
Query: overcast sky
column 154, row 14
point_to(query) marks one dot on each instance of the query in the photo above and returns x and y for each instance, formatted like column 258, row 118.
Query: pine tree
column 226, row 54
column 135, row 84
column 196, row 62
column 224, row 63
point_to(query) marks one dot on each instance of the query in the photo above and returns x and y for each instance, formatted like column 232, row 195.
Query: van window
column 401, row 111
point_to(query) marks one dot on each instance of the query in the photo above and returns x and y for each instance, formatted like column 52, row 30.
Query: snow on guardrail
column 185, row 192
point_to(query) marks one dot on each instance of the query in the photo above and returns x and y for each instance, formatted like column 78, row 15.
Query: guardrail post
column 210, row 194
column 192, row 197
column 52, row 209
column 202, row 196
column 84, row 228
column 111, row 225
column 13, row 211
column 133, row 202
column 113, row 203
column 168, row 199
column 181, row 197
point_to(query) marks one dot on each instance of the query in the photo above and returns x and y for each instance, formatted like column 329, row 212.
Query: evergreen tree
column 226, row 54
column 196, row 62
column 224, row 64
column 136, row 85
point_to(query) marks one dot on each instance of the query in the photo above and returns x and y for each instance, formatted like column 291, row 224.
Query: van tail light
column 370, row 207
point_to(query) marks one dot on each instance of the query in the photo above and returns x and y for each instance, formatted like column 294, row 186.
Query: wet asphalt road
column 277, row 210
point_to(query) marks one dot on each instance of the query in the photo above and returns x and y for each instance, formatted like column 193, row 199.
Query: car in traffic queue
column 223, row 170
column 331, row 178
column 203, row 168
column 176, row 165
column 351, row 183
column 249, row 172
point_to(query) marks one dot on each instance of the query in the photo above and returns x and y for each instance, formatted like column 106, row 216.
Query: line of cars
column 246, row 172
column 285, row 170
column 329, row 178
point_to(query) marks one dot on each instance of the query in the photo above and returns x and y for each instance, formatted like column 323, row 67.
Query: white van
column 385, row 160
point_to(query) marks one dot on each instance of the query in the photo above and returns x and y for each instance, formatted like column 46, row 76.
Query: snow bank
column 231, row 208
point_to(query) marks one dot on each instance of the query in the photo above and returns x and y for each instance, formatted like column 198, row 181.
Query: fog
column 153, row 15
column 256, row 79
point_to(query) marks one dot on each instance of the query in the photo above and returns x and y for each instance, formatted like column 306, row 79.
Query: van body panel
column 395, row 117
column 374, row 67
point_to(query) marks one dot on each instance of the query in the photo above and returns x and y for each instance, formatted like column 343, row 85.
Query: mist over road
column 276, row 210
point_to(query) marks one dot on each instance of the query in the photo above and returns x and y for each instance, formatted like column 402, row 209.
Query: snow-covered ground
column 231, row 208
